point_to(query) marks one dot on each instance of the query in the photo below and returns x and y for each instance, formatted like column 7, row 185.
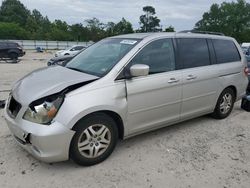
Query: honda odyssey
column 123, row 86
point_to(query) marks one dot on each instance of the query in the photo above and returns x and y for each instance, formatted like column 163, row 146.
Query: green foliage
column 170, row 29
column 14, row 11
column 232, row 19
column 79, row 33
column 12, row 30
column 17, row 22
column 122, row 27
column 96, row 29
column 148, row 21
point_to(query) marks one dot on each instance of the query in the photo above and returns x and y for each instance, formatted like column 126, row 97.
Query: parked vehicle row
column 123, row 86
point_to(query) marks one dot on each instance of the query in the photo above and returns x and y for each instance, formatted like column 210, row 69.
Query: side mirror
column 139, row 70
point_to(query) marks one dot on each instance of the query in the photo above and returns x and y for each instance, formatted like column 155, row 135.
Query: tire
column 95, row 139
column 66, row 54
column 224, row 104
column 13, row 56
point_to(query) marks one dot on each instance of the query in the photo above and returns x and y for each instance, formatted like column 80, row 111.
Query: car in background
column 248, row 58
column 11, row 50
column 70, row 51
column 62, row 61
column 247, row 53
column 248, row 65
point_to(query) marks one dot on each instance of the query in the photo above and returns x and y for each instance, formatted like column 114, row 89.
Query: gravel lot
column 199, row 153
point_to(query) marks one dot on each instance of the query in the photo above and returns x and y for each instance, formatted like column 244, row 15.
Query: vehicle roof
column 168, row 34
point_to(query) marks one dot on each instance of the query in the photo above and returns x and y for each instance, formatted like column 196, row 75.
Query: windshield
column 102, row 56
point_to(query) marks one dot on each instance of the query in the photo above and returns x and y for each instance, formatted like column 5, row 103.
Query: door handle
column 173, row 80
column 191, row 77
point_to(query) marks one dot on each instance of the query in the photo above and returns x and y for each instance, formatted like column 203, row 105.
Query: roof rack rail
column 202, row 32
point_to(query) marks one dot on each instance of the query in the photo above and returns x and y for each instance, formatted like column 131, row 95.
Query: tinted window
column 12, row 44
column 158, row 55
column 3, row 44
column 193, row 52
column 226, row 51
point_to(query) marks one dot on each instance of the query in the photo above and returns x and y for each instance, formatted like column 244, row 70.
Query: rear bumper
column 46, row 143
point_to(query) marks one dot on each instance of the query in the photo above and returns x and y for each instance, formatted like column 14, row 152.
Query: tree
column 232, row 19
column 17, row 22
column 12, row 31
column 148, row 21
column 79, row 32
column 14, row 11
column 123, row 27
column 96, row 29
column 170, row 29
column 110, row 27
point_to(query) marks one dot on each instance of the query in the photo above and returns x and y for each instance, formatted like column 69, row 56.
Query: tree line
column 17, row 22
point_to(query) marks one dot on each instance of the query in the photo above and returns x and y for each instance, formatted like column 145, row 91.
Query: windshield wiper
column 82, row 71
column 75, row 69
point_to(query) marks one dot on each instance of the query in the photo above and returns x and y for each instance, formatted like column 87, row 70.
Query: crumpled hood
column 47, row 81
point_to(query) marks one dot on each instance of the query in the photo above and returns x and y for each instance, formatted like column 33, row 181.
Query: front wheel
column 94, row 140
column 224, row 104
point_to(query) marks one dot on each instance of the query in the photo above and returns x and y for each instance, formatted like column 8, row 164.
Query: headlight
column 44, row 110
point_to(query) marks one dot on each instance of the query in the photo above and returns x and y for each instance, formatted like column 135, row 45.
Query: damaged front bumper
column 46, row 143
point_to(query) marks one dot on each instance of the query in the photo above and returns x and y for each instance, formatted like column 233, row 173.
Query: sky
column 182, row 14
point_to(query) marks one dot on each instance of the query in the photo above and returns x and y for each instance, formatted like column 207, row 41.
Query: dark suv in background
column 11, row 50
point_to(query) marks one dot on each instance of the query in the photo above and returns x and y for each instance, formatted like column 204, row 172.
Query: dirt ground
column 202, row 153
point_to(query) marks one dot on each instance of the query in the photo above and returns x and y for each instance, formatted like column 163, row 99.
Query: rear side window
column 226, row 51
column 193, row 52
column 158, row 55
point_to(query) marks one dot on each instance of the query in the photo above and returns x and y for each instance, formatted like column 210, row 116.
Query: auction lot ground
column 198, row 153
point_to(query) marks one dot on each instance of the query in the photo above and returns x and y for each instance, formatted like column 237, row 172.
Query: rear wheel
column 94, row 140
column 224, row 104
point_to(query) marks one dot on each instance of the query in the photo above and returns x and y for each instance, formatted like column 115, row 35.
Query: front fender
column 75, row 107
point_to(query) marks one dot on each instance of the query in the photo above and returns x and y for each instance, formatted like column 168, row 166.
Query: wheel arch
column 234, row 90
column 115, row 116
column 14, row 51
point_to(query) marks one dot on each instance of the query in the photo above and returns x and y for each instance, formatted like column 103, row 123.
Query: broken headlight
column 44, row 110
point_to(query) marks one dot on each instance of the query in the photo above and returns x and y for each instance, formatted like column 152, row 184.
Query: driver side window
column 158, row 55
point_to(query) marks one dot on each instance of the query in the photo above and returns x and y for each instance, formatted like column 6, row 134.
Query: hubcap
column 226, row 103
column 94, row 141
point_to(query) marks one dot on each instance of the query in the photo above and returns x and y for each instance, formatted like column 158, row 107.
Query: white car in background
column 70, row 51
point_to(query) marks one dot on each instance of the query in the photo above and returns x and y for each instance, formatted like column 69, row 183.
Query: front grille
column 14, row 107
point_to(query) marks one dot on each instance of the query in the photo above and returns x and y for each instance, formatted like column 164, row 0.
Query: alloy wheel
column 94, row 141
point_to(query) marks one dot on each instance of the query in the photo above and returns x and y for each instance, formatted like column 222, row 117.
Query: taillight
column 246, row 71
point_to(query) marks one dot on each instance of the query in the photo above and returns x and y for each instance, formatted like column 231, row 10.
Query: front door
column 154, row 100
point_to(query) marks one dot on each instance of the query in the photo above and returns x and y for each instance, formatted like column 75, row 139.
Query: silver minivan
column 123, row 86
